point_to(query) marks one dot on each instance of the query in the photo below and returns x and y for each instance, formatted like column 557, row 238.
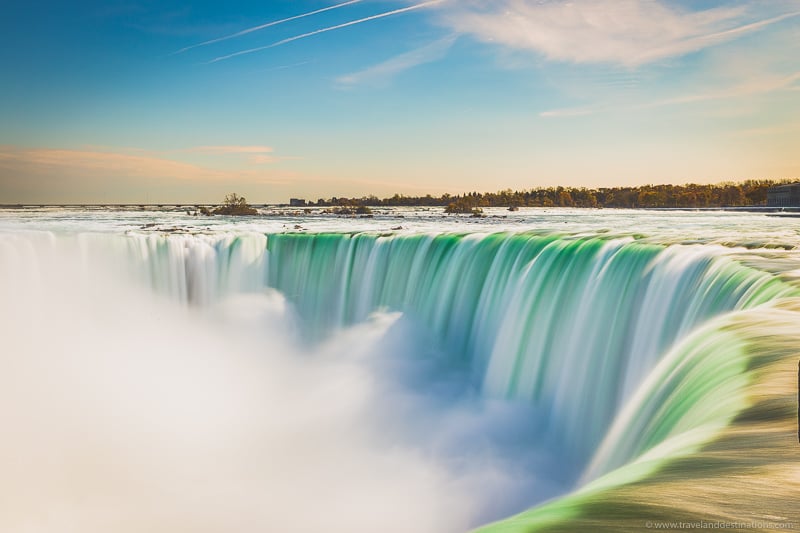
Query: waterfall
column 622, row 349
column 570, row 325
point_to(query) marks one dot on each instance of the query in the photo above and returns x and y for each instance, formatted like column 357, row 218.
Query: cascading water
column 618, row 349
column 535, row 318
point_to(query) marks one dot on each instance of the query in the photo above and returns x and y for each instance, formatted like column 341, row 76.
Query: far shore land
column 741, row 196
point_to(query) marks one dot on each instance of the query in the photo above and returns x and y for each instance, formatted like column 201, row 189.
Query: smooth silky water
column 539, row 370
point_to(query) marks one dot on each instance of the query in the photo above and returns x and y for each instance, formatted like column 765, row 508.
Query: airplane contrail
column 330, row 28
column 266, row 25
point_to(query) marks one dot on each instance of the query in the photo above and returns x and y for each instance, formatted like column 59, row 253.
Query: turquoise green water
column 573, row 326
column 625, row 350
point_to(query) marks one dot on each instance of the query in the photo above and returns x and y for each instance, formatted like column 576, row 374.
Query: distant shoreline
column 748, row 194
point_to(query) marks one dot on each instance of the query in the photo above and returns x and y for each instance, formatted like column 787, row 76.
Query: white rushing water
column 163, row 372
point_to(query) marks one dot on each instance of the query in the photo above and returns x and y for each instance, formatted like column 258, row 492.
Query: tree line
column 729, row 194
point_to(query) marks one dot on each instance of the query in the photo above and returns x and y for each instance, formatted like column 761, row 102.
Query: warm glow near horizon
column 130, row 103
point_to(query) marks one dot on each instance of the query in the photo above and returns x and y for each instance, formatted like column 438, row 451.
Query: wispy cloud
column 121, row 164
column 757, row 86
column 383, row 72
column 266, row 25
column 290, row 65
column 623, row 32
column 778, row 129
column 703, row 41
column 255, row 155
column 101, row 162
column 225, row 150
column 761, row 85
column 571, row 112
column 329, row 28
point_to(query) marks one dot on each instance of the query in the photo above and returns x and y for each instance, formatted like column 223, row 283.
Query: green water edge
column 743, row 344
column 696, row 391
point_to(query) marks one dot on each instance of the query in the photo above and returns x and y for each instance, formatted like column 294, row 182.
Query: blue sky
column 130, row 102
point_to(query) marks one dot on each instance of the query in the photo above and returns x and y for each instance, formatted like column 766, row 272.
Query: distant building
column 784, row 195
column 297, row 202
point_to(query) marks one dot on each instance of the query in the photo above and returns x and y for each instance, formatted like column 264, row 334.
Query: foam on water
column 231, row 380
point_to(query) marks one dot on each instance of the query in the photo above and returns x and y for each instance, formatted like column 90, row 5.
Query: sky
column 169, row 101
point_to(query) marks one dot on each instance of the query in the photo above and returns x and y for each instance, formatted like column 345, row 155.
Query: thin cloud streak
column 107, row 164
column 704, row 41
column 778, row 129
column 324, row 30
column 266, row 25
column 55, row 160
column 755, row 87
column 290, row 65
column 400, row 63
column 571, row 112
column 755, row 25
column 761, row 86
column 230, row 149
